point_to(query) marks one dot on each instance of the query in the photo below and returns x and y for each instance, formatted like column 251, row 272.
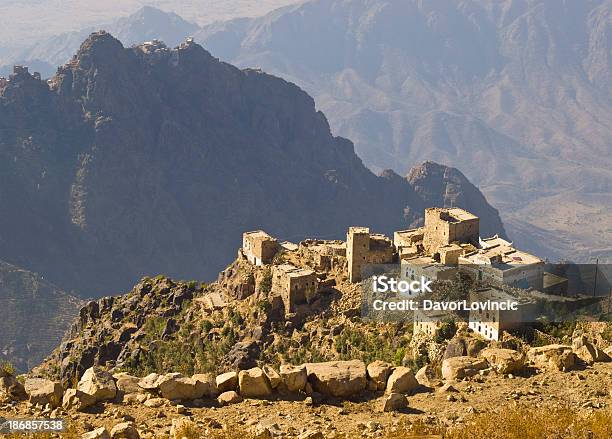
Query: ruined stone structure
column 429, row 322
column 324, row 255
column 447, row 226
column 259, row 247
column 296, row 286
column 425, row 266
column 363, row 248
column 409, row 243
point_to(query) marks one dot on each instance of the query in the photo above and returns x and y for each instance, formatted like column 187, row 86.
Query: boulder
column 175, row 386
column 337, row 378
column 426, row 376
column 43, row 392
column 149, row 382
column 253, row 383
column 587, row 351
column 553, row 357
column 206, row 385
column 11, row 387
column 457, row 368
column 227, row 381
column 127, row 384
column 394, row 402
column 98, row 433
column 273, row 376
column 77, row 400
column 401, row 380
column 227, row 398
column 98, row 383
column 125, row 430
column 378, row 373
column 155, row 402
column 504, row 361
column 294, row 377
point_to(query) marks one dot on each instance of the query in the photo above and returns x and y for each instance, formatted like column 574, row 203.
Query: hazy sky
column 25, row 21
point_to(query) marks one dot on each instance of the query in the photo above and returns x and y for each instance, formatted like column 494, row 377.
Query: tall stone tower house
column 445, row 226
column 357, row 249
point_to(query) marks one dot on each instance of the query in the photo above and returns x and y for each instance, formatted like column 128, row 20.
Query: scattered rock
column 311, row 434
column 77, row 400
column 504, row 361
column 553, row 357
column 294, row 377
column 125, row 430
column 43, row 392
column 98, row 383
column 394, row 402
column 127, row 384
column 378, row 373
column 253, row 383
column 457, row 368
column 401, row 380
column 149, row 382
column 98, row 433
column 175, row 386
column 447, row 388
column 155, row 402
column 337, row 378
column 230, row 397
column 227, row 381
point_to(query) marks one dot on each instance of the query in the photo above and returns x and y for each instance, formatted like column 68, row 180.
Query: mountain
column 144, row 160
column 515, row 93
column 35, row 316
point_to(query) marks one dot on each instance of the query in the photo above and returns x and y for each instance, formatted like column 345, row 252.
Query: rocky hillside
column 514, row 93
column 35, row 315
column 155, row 160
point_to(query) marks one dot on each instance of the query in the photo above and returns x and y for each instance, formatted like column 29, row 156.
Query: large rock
column 294, row 377
column 10, row 387
column 127, row 384
column 504, row 361
column 227, row 381
column 150, row 382
column 175, row 386
column 394, row 402
column 98, row 383
column 401, row 380
column 427, row 376
column 253, row 383
column 125, row 430
column 553, row 357
column 457, row 368
column 378, row 373
column 587, row 351
column 337, row 378
column 206, row 384
column 227, row 398
column 74, row 399
column 273, row 376
column 98, row 433
column 43, row 392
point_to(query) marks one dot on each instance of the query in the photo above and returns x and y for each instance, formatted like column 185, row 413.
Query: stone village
column 448, row 243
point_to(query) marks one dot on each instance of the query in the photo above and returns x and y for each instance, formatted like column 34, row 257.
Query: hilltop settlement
column 279, row 345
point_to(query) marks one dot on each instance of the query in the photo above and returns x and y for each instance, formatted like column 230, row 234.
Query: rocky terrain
column 224, row 360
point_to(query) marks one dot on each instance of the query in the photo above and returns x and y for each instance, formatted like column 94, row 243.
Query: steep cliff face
column 154, row 160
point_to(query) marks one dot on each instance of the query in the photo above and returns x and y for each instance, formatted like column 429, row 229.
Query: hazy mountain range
column 514, row 93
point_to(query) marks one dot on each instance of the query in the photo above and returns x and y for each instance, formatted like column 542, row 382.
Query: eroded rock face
column 457, row 368
column 43, row 392
column 553, row 357
column 504, row 361
column 401, row 380
column 337, row 378
column 294, row 377
column 98, row 383
column 253, row 383
column 378, row 373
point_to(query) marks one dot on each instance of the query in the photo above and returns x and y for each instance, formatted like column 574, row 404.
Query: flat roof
column 293, row 271
column 461, row 214
column 258, row 234
column 509, row 255
column 358, row 229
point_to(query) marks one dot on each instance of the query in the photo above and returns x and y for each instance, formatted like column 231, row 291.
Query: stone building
column 491, row 323
column 430, row 322
column 324, row 255
column 408, row 243
column 363, row 248
column 499, row 263
column 296, row 286
column 425, row 266
column 445, row 226
column 259, row 247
